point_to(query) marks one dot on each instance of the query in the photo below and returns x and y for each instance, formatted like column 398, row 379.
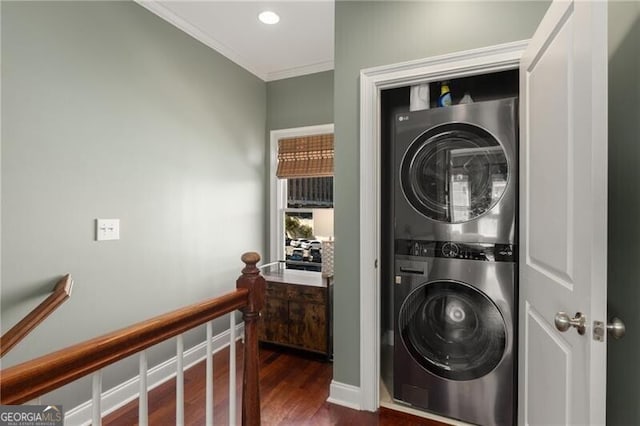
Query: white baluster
column 209, row 381
column 143, row 414
column 96, row 393
column 232, row 368
column 180, row 381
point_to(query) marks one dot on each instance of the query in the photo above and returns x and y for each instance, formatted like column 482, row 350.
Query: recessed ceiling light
column 269, row 17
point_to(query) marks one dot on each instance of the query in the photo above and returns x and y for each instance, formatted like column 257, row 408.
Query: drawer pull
column 412, row 270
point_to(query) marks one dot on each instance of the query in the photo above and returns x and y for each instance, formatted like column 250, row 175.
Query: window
column 301, row 195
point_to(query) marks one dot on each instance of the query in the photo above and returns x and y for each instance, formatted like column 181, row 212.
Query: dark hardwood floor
column 294, row 388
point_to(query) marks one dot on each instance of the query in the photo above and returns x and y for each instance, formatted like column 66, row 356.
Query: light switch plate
column 107, row 229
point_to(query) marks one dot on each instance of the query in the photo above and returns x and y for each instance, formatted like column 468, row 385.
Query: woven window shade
column 309, row 156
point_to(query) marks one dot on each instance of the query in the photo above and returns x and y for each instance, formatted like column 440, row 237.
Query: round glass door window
column 452, row 330
column 454, row 173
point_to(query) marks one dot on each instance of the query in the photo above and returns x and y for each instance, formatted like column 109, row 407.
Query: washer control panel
column 457, row 250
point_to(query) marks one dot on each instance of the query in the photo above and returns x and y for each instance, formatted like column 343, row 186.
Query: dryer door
column 453, row 330
column 454, row 173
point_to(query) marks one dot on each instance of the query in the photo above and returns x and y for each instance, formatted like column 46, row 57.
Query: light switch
column 107, row 229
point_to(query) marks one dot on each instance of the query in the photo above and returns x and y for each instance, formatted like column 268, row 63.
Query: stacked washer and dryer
column 455, row 197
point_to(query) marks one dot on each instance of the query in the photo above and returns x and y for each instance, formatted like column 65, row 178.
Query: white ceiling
column 301, row 43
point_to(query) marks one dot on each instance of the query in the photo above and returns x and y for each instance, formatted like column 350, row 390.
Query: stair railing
column 24, row 382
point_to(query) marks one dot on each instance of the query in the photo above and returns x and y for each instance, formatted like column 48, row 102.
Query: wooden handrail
column 31, row 379
column 15, row 334
column 28, row 380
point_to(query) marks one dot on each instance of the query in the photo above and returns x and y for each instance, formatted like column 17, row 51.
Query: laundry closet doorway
column 447, row 265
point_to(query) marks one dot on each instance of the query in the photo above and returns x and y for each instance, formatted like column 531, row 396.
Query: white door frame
column 277, row 187
column 372, row 81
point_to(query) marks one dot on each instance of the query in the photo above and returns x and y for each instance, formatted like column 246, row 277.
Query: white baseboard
column 120, row 395
column 346, row 395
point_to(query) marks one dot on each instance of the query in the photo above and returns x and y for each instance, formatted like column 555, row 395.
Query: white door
column 563, row 216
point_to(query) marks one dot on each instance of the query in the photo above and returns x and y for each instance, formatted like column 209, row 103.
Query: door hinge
column 375, row 263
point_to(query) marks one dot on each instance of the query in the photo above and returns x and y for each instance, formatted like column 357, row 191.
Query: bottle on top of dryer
column 445, row 95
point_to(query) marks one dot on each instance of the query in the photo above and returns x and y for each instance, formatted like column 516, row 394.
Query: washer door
column 454, row 173
column 452, row 330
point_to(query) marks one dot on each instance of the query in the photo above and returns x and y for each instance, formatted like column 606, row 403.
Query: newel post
column 255, row 283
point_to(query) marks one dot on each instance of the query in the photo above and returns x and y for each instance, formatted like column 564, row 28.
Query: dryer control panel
column 457, row 250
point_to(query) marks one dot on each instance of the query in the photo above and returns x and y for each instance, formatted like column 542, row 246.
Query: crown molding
column 299, row 71
column 195, row 32
column 177, row 21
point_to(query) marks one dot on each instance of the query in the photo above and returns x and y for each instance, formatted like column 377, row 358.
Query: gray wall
column 624, row 210
column 296, row 102
column 108, row 111
column 300, row 101
column 377, row 33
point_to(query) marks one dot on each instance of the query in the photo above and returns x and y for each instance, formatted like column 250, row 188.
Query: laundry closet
column 449, row 244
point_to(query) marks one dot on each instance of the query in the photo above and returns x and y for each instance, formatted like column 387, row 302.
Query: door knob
column 564, row 322
column 616, row 328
